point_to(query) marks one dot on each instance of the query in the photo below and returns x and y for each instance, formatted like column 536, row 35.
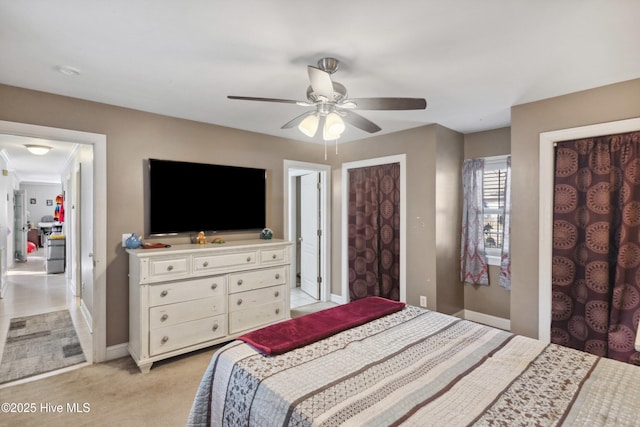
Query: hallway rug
column 38, row 344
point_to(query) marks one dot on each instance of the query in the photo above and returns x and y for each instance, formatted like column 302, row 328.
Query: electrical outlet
column 423, row 301
column 124, row 239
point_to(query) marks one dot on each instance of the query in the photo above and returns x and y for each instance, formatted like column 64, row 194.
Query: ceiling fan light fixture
column 309, row 126
column 333, row 127
column 333, row 106
column 38, row 150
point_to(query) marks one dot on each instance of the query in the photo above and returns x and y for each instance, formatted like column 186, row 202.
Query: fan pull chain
column 325, row 149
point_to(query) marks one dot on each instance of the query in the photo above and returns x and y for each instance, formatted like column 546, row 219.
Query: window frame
column 494, row 255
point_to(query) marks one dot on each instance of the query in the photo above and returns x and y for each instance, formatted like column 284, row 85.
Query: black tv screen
column 185, row 197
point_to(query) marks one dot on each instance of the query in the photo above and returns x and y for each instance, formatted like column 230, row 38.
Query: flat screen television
column 186, row 198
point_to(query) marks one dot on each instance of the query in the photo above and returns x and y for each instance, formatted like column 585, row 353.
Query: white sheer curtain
column 473, row 260
column 505, row 259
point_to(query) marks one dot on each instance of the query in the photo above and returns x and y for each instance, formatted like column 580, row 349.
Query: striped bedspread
column 417, row 368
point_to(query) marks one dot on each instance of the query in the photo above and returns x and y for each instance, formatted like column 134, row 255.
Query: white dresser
column 188, row 297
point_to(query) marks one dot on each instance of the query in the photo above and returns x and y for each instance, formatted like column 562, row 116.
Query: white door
column 86, row 232
column 20, row 225
column 309, row 244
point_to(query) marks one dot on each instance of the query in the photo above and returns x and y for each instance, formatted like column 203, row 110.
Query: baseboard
column 87, row 315
column 338, row 299
column 72, row 287
column 487, row 319
column 459, row 314
column 117, row 351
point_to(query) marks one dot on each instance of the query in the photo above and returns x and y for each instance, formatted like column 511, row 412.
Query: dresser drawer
column 225, row 261
column 168, row 267
column 255, row 298
column 272, row 256
column 258, row 316
column 186, row 334
column 247, row 280
column 172, row 314
column 169, row 293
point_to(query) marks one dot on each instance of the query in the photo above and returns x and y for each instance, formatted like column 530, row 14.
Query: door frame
column 19, row 233
column 292, row 169
column 545, row 221
column 399, row 158
column 99, row 142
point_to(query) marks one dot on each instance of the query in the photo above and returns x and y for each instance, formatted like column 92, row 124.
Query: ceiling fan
column 333, row 107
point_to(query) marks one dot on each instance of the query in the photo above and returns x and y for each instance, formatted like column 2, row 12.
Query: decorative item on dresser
column 190, row 296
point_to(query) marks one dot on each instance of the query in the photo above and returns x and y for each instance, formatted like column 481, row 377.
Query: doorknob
column 300, row 239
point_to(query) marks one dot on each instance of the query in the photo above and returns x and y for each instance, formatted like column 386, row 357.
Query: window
column 493, row 202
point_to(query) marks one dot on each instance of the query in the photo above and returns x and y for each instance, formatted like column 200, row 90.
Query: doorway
column 307, row 207
column 545, row 220
column 95, row 149
column 402, row 273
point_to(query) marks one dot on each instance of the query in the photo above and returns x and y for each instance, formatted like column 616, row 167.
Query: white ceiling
column 33, row 168
column 471, row 60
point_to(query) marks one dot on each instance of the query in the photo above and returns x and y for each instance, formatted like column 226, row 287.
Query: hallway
column 31, row 291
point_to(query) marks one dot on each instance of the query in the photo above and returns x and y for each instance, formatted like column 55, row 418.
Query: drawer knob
column 274, row 256
column 169, row 267
column 164, row 317
column 276, row 294
column 277, row 275
column 248, row 259
column 214, row 286
column 239, row 282
column 240, row 301
column 165, row 339
column 215, row 327
column 277, row 311
column 205, row 264
column 164, row 293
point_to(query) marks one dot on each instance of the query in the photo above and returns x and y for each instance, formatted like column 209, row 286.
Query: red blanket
column 291, row 334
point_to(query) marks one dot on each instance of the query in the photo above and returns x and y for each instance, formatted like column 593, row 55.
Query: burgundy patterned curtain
column 374, row 232
column 596, row 245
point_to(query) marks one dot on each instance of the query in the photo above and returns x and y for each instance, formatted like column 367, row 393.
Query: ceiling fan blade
column 360, row 122
column 296, row 121
column 320, row 82
column 251, row 98
column 390, row 103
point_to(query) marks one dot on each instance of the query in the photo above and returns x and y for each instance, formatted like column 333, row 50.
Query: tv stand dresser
column 189, row 297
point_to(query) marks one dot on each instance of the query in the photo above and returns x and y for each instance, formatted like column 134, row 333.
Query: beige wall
column 430, row 150
column 133, row 136
column 448, row 218
column 492, row 300
column 605, row 104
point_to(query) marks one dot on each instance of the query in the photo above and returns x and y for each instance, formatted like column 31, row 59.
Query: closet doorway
column 401, row 244
column 545, row 221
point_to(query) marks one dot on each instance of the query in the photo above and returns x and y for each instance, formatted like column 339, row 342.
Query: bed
column 409, row 366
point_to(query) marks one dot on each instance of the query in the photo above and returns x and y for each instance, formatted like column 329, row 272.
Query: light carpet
column 113, row 393
column 38, row 344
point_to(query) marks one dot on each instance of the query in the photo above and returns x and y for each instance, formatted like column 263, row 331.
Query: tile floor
column 30, row 290
column 299, row 298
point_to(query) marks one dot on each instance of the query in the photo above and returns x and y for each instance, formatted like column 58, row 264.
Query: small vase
column 133, row 241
